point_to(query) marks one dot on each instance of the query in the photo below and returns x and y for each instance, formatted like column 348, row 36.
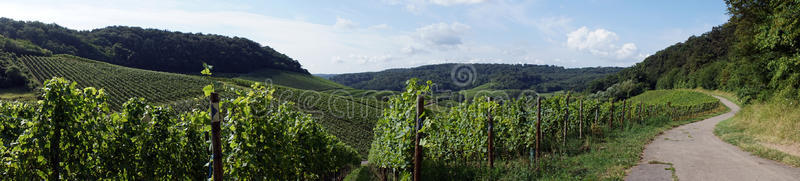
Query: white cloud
column 417, row 6
column 552, row 26
column 337, row 60
column 600, row 42
column 627, row 50
column 442, row 35
column 411, row 50
column 342, row 23
column 583, row 39
column 456, row 2
column 380, row 27
column 363, row 59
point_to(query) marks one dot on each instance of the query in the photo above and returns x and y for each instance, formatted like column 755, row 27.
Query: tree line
column 455, row 77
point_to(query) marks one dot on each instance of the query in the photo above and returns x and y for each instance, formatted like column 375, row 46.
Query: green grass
column 760, row 124
column 292, row 79
column 120, row 83
column 671, row 168
column 676, row 97
column 727, row 95
column 17, row 94
column 362, row 173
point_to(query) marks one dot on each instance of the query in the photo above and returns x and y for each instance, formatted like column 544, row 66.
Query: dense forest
column 455, row 77
column 756, row 54
column 152, row 49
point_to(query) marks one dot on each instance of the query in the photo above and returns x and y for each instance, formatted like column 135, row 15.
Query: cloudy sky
column 355, row 36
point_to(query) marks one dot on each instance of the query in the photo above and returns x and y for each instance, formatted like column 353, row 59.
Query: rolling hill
column 456, row 77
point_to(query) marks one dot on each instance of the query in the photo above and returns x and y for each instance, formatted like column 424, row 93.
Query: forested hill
column 756, row 54
column 152, row 49
column 454, row 77
column 693, row 63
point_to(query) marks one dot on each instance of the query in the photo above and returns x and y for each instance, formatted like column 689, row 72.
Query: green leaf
column 206, row 69
column 208, row 90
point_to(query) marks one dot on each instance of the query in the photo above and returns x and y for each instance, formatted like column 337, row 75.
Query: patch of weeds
column 671, row 168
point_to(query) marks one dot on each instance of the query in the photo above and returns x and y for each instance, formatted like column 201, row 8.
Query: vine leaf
column 208, row 89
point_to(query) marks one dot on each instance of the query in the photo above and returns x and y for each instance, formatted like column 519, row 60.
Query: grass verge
column 727, row 95
column 761, row 124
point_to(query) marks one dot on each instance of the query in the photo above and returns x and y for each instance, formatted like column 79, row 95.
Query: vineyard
column 477, row 132
column 349, row 118
column 72, row 134
column 121, row 83
column 676, row 97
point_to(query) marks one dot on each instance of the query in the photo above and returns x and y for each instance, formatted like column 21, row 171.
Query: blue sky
column 356, row 36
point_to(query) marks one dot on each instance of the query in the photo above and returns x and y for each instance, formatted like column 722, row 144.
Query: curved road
column 697, row 154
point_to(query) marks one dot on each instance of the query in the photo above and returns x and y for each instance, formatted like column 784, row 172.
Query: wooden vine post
column 629, row 111
column 566, row 122
column 538, row 125
column 580, row 119
column 670, row 111
column 641, row 112
column 611, row 116
column 417, row 148
column 491, row 135
column 622, row 114
column 55, row 149
column 215, row 137
column 596, row 115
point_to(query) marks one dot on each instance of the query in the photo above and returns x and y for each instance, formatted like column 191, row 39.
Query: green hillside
column 121, row 83
column 456, row 77
column 292, row 79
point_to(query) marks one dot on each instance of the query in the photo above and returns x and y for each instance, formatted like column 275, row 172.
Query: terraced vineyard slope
column 121, row 83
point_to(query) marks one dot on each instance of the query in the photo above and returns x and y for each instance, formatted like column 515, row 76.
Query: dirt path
column 696, row 153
